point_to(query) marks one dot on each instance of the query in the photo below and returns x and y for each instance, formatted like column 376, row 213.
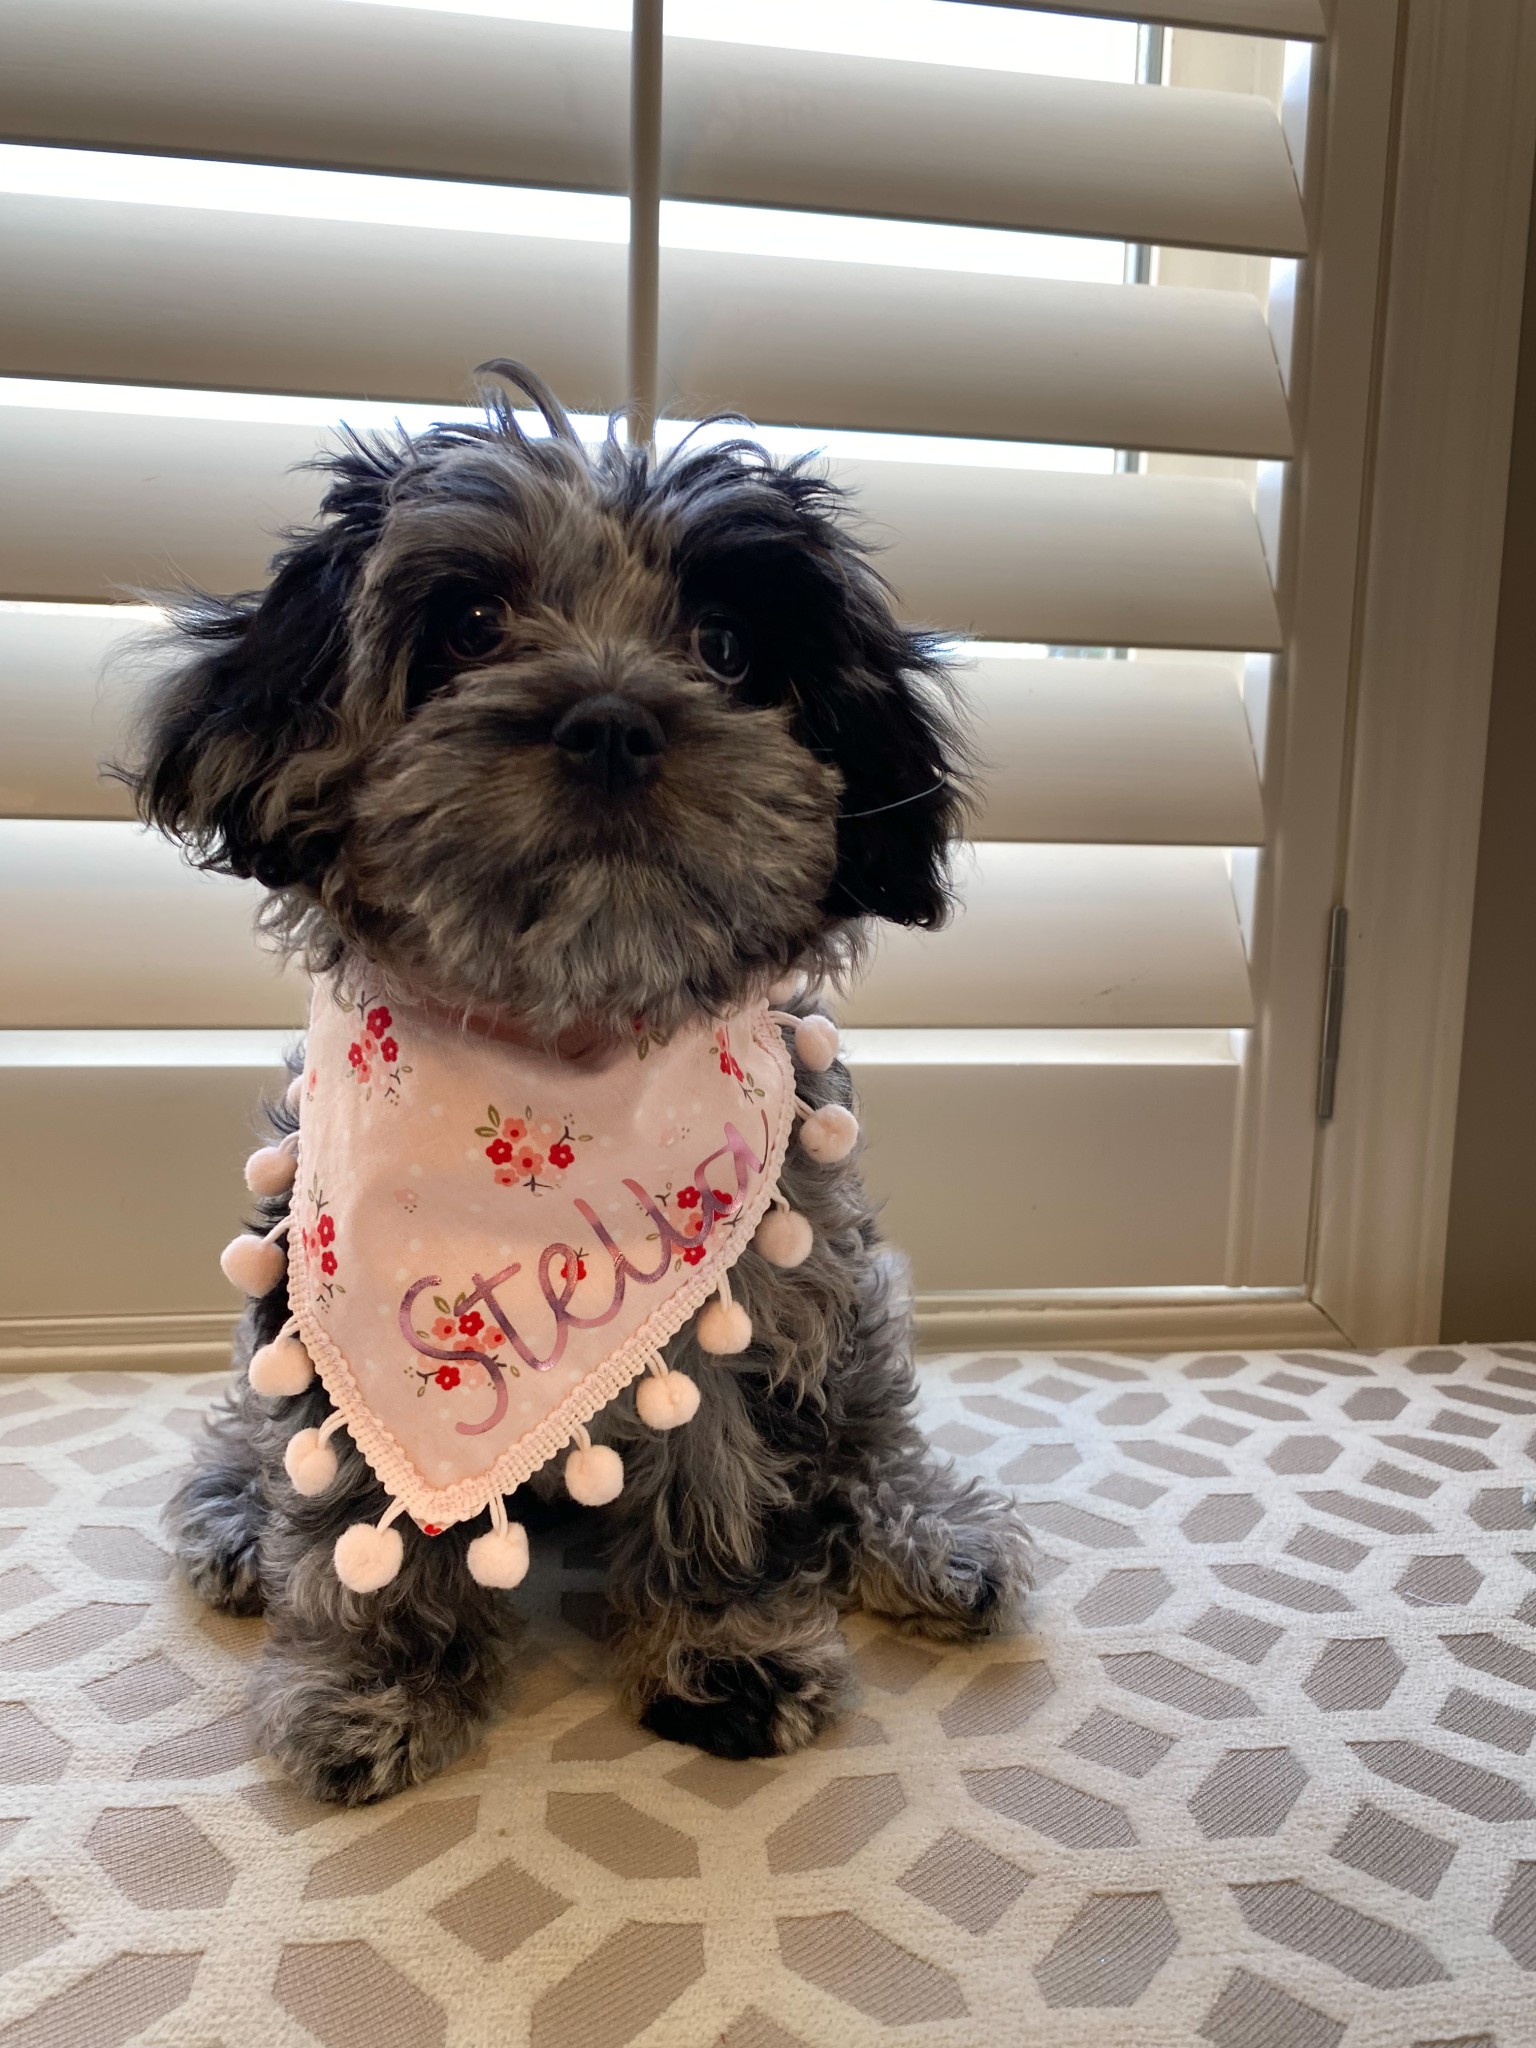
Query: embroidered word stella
column 714, row 1206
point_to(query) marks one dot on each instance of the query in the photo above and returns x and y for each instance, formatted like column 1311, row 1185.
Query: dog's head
column 577, row 735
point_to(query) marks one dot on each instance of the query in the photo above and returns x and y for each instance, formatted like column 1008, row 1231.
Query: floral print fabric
column 488, row 1243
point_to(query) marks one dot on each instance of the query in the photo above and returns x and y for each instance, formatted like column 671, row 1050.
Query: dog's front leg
column 216, row 1516
column 946, row 1556
column 728, row 1637
column 361, row 1695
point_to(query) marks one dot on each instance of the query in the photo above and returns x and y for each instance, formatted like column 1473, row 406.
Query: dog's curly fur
column 402, row 797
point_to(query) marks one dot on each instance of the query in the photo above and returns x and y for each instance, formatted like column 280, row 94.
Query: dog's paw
column 977, row 1586
column 740, row 1707
column 982, row 1590
column 229, row 1580
column 214, row 1523
column 950, row 1575
column 350, row 1748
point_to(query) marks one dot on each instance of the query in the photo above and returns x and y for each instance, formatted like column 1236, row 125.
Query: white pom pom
column 594, row 1475
column 830, row 1133
column 270, row 1170
column 784, row 1237
column 367, row 1557
column 667, row 1400
column 281, row 1367
column 816, row 1043
column 723, row 1328
column 500, row 1557
column 293, row 1092
column 309, row 1463
column 253, row 1264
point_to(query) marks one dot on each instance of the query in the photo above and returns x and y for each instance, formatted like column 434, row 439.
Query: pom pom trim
column 499, row 1558
column 784, row 1237
column 666, row 1399
column 594, row 1474
column 369, row 1554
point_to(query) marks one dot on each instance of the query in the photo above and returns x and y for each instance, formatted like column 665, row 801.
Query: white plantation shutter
column 223, row 226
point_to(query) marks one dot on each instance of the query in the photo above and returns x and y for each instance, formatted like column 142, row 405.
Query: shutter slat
column 108, row 291
column 1113, row 751
column 1001, row 149
column 170, row 295
column 117, row 931
column 958, row 1156
column 1299, row 20
column 945, row 352
column 58, row 717
column 106, row 502
column 1089, row 561
column 323, row 82
column 1070, row 936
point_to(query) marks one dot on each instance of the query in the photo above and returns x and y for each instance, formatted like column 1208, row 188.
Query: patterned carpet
column 1261, row 1777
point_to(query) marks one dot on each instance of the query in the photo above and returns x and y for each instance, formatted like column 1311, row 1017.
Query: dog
column 381, row 738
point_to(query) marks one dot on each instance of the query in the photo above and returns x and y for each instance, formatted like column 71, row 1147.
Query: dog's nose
column 610, row 741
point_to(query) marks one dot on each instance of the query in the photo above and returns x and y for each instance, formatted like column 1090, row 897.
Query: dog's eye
column 476, row 630
column 720, row 648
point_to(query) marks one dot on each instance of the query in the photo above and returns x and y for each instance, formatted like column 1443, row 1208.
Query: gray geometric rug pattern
column 1261, row 1775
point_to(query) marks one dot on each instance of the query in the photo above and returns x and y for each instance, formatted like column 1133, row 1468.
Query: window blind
column 224, row 227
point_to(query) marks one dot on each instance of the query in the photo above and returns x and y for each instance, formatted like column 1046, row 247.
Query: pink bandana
column 487, row 1244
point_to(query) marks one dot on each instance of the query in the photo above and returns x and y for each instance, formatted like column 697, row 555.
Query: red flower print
column 443, row 1328
column 433, row 1528
column 355, row 1054
column 513, row 1128
column 471, row 1322
column 735, row 1070
column 327, row 1262
column 326, row 1229
column 695, row 1226
column 725, row 1061
column 687, row 1198
column 581, row 1269
column 389, row 1051
column 494, row 1337
column 378, row 1021
column 721, row 1201
column 561, row 1155
column 506, row 1177
column 528, row 1161
column 498, row 1151
column 693, row 1254
column 447, row 1377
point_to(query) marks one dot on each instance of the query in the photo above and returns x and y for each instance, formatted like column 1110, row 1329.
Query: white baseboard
column 1160, row 1319
column 1113, row 1319
column 193, row 1341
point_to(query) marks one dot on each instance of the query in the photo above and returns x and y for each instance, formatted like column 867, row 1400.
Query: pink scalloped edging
column 388, row 1457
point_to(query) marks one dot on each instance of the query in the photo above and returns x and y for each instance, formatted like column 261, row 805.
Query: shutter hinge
column 1333, row 1012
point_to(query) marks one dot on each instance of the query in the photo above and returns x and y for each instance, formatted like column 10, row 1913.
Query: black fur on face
column 579, row 735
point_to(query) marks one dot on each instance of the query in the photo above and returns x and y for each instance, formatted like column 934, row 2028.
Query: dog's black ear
column 903, row 799
column 905, row 769
column 218, row 755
